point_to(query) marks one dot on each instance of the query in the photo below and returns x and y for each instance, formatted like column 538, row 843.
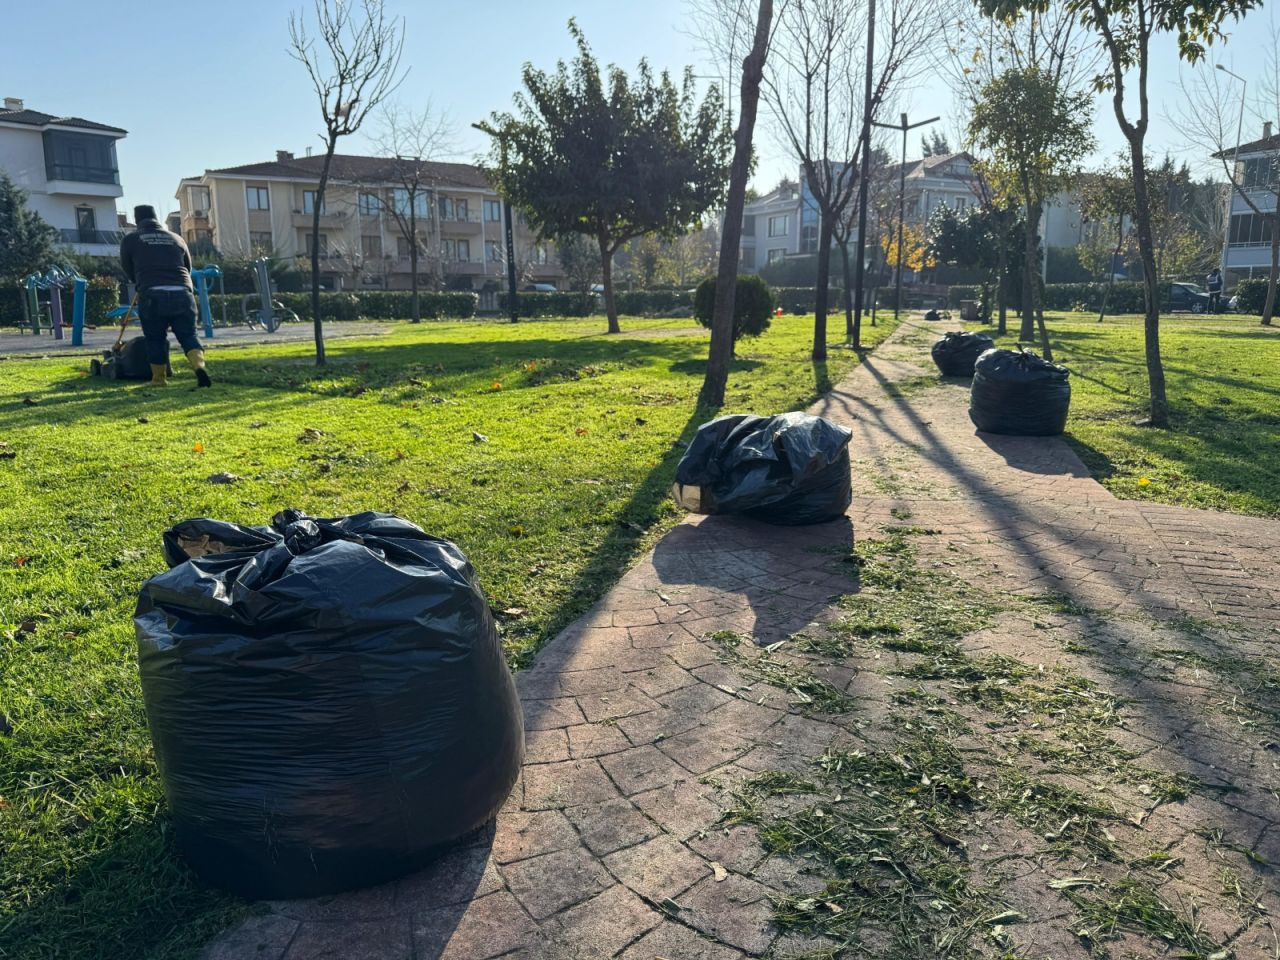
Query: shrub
column 558, row 304
column 803, row 300
column 1252, row 294
column 1126, row 296
column 753, row 305
column 655, row 303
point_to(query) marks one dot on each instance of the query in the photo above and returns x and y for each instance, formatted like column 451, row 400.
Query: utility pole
column 1235, row 169
column 906, row 128
column 856, row 332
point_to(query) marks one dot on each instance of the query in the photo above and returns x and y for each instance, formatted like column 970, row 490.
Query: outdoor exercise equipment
column 201, row 277
column 269, row 313
column 57, row 278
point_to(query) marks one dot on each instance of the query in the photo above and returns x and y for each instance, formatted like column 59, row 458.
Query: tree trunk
column 1150, row 282
column 1268, row 309
column 826, row 231
column 1111, row 269
column 1002, row 291
column 415, row 314
column 606, row 278
column 852, row 326
column 315, row 251
column 721, row 349
column 1030, row 274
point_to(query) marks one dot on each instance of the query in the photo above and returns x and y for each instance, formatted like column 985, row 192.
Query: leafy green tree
column 580, row 262
column 26, row 241
column 979, row 240
column 1036, row 133
column 610, row 157
column 753, row 305
column 934, row 144
column 1124, row 29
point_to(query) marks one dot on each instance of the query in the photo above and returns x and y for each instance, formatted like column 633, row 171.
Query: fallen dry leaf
column 718, row 871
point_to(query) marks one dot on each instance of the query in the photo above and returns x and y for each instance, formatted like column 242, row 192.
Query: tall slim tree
column 1124, row 29
column 412, row 141
column 1035, row 135
column 354, row 67
column 26, row 241
column 612, row 157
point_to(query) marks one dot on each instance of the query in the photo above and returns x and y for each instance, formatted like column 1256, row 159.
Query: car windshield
column 1191, row 287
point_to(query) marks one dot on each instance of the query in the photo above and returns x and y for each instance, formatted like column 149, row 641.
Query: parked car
column 1187, row 298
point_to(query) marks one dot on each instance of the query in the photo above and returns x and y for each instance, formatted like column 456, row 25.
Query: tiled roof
column 357, row 169
column 35, row 118
column 1265, row 145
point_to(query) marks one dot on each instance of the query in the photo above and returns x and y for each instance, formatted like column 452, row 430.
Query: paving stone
column 523, row 835
column 488, row 927
column 609, row 826
column 549, row 714
column 657, row 869
column 682, row 809
column 545, row 746
column 596, row 740
column 642, row 768
column 736, row 911
column 457, row 877
column 390, row 939
column 547, row 884
column 549, row 786
column 600, row 927
column 263, row 937
column 671, row 941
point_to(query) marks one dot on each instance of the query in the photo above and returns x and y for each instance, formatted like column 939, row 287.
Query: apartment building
column 771, row 227
column 68, row 167
column 267, row 209
column 1248, row 235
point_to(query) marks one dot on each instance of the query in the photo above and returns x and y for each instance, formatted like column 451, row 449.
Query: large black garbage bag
column 130, row 362
column 1019, row 393
column 328, row 700
column 955, row 353
column 788, row 469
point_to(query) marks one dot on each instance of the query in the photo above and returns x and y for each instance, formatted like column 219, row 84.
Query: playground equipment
column 269, row 313
column 57, row 278
column 201, row 277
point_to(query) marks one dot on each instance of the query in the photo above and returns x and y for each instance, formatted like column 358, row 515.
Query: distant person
column 156, row 260
column 1213, row 283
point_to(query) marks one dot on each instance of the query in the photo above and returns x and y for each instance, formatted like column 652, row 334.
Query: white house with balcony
column 1248, row 239
column 68, row 167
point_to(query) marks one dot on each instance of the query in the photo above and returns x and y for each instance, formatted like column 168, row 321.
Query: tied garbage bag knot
column 328, row 700
column 789, row 469
column 1020, row 394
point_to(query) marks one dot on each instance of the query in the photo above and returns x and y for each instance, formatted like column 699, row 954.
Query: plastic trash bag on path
column 1018, row 393
column 790, row 469
column 328, row 700
column 955, row 353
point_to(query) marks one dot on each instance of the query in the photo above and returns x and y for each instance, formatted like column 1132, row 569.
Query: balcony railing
column 72, row 235
column 81, row 174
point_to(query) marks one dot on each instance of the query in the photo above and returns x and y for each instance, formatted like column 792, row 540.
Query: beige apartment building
column 266, row 209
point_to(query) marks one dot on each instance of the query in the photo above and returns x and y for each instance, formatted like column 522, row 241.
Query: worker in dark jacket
column 1213, row 283
column 157, row 262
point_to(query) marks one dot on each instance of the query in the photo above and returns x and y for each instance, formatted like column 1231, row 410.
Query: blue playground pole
column 33, row 305
column 77, row 312
column 202, row 291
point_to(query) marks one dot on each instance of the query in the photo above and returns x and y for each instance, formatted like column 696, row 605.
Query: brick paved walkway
column 638, row 728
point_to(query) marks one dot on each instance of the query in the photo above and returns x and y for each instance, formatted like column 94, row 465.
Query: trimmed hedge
column 655, row 303
column 369, row 304
column 559, row 304
column 1126, row 296
column 803, row 300
column 1253, row 295
column 753, row 305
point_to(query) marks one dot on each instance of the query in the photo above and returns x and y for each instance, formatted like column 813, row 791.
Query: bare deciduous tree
column 352, row 55
column 412, row 141
column 814, row 90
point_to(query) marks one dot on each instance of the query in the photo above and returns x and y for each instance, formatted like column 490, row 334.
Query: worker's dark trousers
column 161, row 311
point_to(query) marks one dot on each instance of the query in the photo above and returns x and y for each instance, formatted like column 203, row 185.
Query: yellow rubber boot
column 159, row 375
column 196, row 359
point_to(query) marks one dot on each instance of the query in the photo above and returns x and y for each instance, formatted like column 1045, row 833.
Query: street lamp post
column 1235, row 169
column 855, row 335
column 906, row 128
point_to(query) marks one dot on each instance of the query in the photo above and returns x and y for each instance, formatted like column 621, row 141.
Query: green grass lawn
column 583, row 433
column 1223, row 382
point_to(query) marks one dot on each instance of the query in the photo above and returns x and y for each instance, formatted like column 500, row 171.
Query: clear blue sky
column 212, row 86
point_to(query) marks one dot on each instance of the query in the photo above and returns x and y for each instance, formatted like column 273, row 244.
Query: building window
column 749, row 223
column 456, row 250
column 198, row 198
column 961, row 204
column 371, row 247
column 259, row 198
column 747, row 258
column 309, row 201
column 809, row 238
column 778, row 226
column 453, row 209
column 1261, row 172
column 421, row 202
column 493, row 210
column 259, row 241
column 82, row 157
column 776, row 254
column 538, row 254
column 403, row 247
column 203, row 237
column 311, row 244
column 1250, row 230
column 493, row 250
column 369, row 205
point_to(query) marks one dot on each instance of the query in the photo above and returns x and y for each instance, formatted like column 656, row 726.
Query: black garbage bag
column 130, row 362
column 1016, row 392
column 955, row 352
column 788, row 469
column 328, row 700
